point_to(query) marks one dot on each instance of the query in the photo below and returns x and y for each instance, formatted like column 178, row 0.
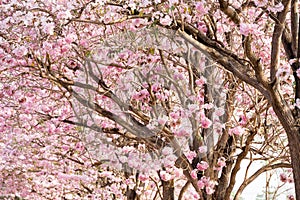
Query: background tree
column 151, row 99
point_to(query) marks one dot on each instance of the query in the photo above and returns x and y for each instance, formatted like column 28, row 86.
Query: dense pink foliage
column 48, row 151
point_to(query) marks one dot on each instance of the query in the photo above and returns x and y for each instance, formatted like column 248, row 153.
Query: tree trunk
column 130, row 194
column 289, row 122
column 294, row 145
column 168, row 190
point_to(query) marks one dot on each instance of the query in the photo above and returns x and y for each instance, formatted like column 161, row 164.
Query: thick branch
column 294, row 25
column 237, row 166
column 276, row 38
column 237, row 66
column 229, row 11
column 257, row 173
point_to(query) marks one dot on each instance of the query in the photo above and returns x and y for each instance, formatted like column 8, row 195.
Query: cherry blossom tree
column 147, row 99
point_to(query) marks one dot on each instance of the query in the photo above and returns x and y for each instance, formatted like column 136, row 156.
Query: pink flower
column 20, row 51
column 49, row 28
column 139, row 22
column 277, row 8
column 261, row 3
column 219, row 112
column 155, row 87
column 209, row 190
column 181, row 133
column 200, row 8
column 194, row 173
column 167, row 151
column 64, row 15
column 202, row 166
column 205, row 122
column 173, row 2
column 165, row 176
column 201, row 81
column 162, row 120
column 236, row 130
column 166, row 21
column 200, row 184
column 202, row 27
column 297, row 104
column 191, row 155
column 247, row 29
column 70, row 38
column 202, row 149
column 283, row 177
column 298, row 72
column 175, row 115
column 243, row 120
column 291, row 197
column 208, row 106
column 178, row 172
column 221, row 162
column 205, row 180
column 143, row 178
column 292, row 61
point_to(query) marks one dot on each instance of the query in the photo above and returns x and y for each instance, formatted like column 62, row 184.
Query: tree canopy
column 151, row 99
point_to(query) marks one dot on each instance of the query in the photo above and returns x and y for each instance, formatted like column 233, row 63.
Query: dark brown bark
column 168, row 190
column 130, row 194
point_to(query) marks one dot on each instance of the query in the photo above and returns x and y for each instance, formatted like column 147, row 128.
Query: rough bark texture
column 288, row 118
column 168, row 190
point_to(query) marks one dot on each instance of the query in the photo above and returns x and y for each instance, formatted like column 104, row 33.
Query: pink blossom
column 201, row 81
column 178, row 76
column 243, row 120
column 276, row 8
column 208, row 106
column 283, row 177
column 169, row 161
column 236, row 130
column 200, row 8
column 49, row 28
column 194, row 173
column 247, row 29
column 178, row 172
column 173, row 2
column 297, row 103
column 167, row 151
column 202, row 166
column 181, row 133
column 70, row 38
column 292, row 61
column 139, row 22
column 209, row 190
column 219, row 112
column 191, row 155
column 64, row 15
column 221, row 162
column 143, row 178
column 165, row 176
column 205, row 180
column 298, row 72
column 166, row 21
column 155, row 87
column 20, row 51
column 200, row 184
column 261, row 3
column 291, row 197
column 193, row 107
column 205, row 122
column 202, row 149
column 162, row 120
